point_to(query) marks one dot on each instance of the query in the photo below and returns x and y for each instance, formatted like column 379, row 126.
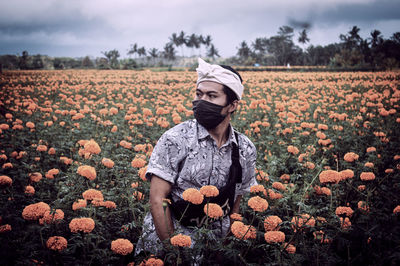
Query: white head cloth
column 218, row 74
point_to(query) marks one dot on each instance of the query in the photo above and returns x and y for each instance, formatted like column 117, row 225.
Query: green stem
column 308, row 187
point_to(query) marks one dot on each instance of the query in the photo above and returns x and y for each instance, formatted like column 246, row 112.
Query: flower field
column 74, row 145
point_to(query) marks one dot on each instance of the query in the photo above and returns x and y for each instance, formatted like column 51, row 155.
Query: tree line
column 352, row 51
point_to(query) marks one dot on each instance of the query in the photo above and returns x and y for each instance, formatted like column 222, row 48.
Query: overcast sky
column 87, row 27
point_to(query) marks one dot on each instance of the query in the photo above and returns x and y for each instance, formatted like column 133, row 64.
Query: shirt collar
column 202, row 133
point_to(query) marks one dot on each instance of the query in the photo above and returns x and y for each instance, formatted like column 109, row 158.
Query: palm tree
column 153, row 52
column 169, row 51
column 376, row 38
column 303, row 38
column 243, row 50
column 212, row 52
column 182, row 40
column 192, row 41
column 141, row 51
column 133, row 50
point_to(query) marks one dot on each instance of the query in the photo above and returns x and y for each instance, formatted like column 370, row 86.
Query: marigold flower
column 345, row 223
column 138, row 195
column 258, row 204
column 193, row 196
column 348, row 173
column 142, row 173
column 5, row 228
column 50, row 217
column 107, row 162
column 362, row 205
column 236, row 217
column 329, row 176
column 92, row 194
column 5, row 180
column 343, row 210
column 213, row 210
column 278, row 186
column 41, row 147
column 51, row 173
column 257, row 188
column 350, row 157
column 92, row 147
column 274, row 195
column 371, row 149
column 396, row 209
column 35, row 211
column 181, row 240
column 209, row 191
column 242, row 231
column 274, row 236
column 292, row 149
column 122, row 246
column 7, row 165
column 109, row 204
column 85, row 225
column 125, row 144
column 4, row 126
column 79, row 204
column 57, row 243
column 361, row 187
column 138, row 163
column 271, row 223
column 367, row 176
column 29, row 190
column 52, row 151
column 66, row 160
column 152, row 262
column 304, row 219
column 289, row 248
column 30, row 125
column 87, row 171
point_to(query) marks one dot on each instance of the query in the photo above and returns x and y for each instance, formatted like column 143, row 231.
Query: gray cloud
column 78, row 28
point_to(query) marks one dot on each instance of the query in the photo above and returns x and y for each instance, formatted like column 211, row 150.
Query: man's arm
column 159, row 190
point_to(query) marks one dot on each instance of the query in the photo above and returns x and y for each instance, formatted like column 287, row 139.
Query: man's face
column 212, row 92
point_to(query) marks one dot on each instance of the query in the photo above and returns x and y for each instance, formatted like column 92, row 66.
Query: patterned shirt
column 188, row 157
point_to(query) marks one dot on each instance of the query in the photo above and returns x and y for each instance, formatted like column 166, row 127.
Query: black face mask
column 208, row 114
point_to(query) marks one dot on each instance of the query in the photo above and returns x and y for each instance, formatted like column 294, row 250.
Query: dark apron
column 193, row 215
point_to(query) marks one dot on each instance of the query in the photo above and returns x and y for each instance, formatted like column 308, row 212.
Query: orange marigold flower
column 5, row 180
column 258, row 204
column 107, row 162
column 257, row 188
column 369, row 165
column 50, row 217
column 41, row 147
column 329, row 176
column 285, row 177
column 242, row 231
column 5, row 228
column 371, row 149
column 66, row 160
column 92, row 147
column 51, row 173
column 152, row 262
column 396, row 209
column 142, row 173
column 289, row 248
column 271, row 223
column 52, row 151
column 92, row 194
column 122, row 246
column 362, row 205
column 366, row 176
column 125, row 144
column 81, row 203
column 236, row 217
column 87, row 171
column 343, row 210
column 274, row 195
column 57, row 243
column 29, row 190
column 193, row 196
column 350, row 157
column 361, row 187
column 292, row 149
column 4, row 126
column 138, row 163
column 7, row 165
column 348, row 173
column 213, row 210
column 138, row 195
column 274, row 237
column 85, row 225
column 30, row 125
column 109, row 204
column 181, row 240
column 304, row 219
column 345, row 223
column 209, row 191
column 278, row 186
column 35, row 211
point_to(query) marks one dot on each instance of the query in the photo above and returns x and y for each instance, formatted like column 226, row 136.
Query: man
column 199, row 152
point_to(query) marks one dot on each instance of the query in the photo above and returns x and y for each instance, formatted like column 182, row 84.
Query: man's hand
column 159, row 190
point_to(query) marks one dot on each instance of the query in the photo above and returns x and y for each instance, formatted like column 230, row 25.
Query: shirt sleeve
column 164, row 159
column 248, row 169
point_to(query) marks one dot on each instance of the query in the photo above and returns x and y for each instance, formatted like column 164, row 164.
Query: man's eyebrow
column 207, row 92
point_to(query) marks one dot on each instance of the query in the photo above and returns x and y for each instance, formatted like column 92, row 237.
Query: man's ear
column 233, row 106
